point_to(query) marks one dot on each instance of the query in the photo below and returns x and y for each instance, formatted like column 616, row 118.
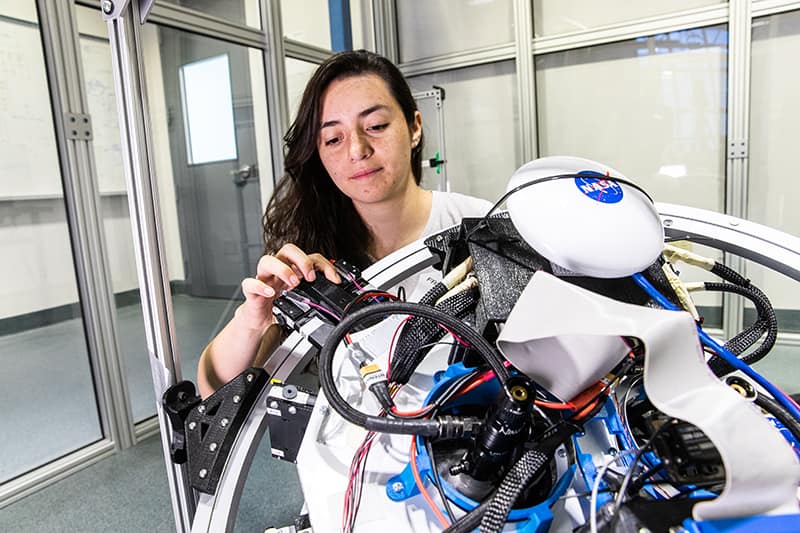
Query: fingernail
column 269, row 292
column 311, row 276
column 294, row 280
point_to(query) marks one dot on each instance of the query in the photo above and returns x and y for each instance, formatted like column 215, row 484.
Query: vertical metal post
column 123, row 30
column 384, row 15
column 275, row 70
column 736, row 183
column 81, row 195
column 526, row 80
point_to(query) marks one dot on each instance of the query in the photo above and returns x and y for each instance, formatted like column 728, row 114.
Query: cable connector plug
column 451, row 427
column 374, row 378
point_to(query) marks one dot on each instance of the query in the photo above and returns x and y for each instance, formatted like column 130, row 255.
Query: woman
column 351, row 191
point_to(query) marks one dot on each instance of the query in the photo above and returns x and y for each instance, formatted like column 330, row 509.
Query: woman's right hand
column 276, row 273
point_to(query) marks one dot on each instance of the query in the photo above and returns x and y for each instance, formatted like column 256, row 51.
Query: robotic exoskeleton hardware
column 556, row 378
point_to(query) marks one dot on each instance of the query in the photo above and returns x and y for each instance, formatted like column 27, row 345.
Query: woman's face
column 364, row 140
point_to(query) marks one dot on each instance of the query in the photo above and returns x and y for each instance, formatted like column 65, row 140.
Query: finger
column 271, row 269
column 294, row 256
column 326, row 267
column 256, row 287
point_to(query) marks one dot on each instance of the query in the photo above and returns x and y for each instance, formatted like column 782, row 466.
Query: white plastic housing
column 591, row 226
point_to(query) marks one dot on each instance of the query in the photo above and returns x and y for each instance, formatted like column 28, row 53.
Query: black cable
column 438, row 481
column 636, row 458
column 517, row 480
column 418, row 331
column 472, row 519
column 444, row 426
column 767, row 322
column 779, row 412
column 437, row 401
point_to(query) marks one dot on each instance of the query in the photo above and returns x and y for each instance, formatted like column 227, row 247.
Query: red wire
column 391, row 346
column 421, row 487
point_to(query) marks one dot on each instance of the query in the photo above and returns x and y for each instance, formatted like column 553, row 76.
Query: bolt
column 107, row 6
column 223, row 422
column 212, row 446
column 249, row 378
column 201, row 409
column 237, row 399
column 202, row 473
column 192, row 425
column 292, row 410
column 397, row 486
column 667, row 222
column 562, row 452
column 273, row 404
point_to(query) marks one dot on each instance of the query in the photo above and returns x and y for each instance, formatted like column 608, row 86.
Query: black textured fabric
column 419, row 332
column 517, row 479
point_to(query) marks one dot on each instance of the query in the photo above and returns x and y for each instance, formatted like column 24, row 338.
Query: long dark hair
column 307, row 208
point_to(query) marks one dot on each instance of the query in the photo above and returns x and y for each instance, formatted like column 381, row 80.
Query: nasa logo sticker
column 600, row 188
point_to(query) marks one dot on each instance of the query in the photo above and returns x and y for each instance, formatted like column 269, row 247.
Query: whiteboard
column 102, row 103
column 28, row 156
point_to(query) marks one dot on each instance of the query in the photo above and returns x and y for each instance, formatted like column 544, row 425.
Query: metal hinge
column 78, row 126
column 737, row 150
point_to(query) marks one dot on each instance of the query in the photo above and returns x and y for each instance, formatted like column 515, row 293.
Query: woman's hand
column 236, row 346
column 276, row 273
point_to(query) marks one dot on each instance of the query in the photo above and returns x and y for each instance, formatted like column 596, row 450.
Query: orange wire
column 413, row 456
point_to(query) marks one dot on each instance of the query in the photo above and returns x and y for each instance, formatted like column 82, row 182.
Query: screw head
column 237, row 399
column 212, row 446
column 202, row 473
column 397, row 486
column 273, row 404
column 667, row 222
column 201, row 409
column 292, row 410
column 192, row 425
column 223, row 422
column 249, row 378
column 107, row 6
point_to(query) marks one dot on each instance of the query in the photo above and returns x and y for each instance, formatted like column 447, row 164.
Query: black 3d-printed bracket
column 210, row 426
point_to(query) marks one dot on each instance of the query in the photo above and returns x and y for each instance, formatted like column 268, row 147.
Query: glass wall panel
column 551, row 17
column 211, row 211
column 480, row 124
column 46, row 386
column 245, row 12
column 436, row 27
column 101, row 99
column 307, row 21
column 654, row 108
column 774, row 113
column 297, row 75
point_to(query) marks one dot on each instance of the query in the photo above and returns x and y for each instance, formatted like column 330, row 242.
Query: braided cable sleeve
column 767, row 322
column 421, row 331
column 729, row 274
column 517, row 480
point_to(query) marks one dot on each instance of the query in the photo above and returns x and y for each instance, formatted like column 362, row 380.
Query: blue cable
column 721, row 351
